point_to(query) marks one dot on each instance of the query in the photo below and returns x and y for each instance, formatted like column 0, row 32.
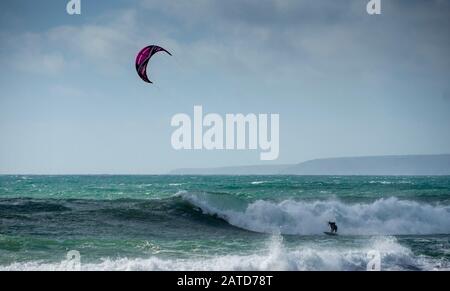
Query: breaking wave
column 387, row 216
column 276, row 256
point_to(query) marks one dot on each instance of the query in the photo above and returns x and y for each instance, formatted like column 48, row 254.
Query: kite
column 142, row 59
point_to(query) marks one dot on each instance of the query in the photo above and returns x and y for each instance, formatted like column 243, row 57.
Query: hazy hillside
column 378, row 165
column 383, row 165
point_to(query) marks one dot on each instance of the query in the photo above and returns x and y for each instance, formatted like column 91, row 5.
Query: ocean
column 224, row 222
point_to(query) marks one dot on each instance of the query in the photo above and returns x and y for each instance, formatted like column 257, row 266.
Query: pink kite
column 142, row 59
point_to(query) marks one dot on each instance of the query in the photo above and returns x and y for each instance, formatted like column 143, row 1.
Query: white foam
column 258, row 182
column 381, row 182
column 389, row 216
column 275, row 257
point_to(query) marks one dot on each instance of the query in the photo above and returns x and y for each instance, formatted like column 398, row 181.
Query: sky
column 345, row 83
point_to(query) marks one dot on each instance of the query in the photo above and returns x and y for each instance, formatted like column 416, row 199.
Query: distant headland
column 420, row 165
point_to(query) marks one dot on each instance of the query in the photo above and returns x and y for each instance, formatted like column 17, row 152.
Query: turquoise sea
column 224, row 222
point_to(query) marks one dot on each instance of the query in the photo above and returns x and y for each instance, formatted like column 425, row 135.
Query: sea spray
column 389, row 216
column 276, row 255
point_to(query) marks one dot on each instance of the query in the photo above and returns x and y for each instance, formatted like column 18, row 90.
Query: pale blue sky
column 344, row 83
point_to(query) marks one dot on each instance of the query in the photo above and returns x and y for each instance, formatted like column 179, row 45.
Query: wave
column 275, row 257
column 258, row 182
column 381, row 182
column 386, row 216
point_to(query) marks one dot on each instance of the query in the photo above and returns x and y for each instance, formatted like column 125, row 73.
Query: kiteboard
column 330, row 233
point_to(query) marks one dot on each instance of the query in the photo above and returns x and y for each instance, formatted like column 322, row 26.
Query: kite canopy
column 142, row 59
